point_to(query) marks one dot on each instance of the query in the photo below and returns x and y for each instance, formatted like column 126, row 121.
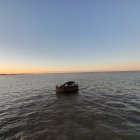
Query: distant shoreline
column 14, row 74
column 69, row 72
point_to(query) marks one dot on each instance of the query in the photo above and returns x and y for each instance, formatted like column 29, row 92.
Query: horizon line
column 70, row 72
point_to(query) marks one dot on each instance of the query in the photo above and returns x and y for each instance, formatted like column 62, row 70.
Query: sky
column 41, row 36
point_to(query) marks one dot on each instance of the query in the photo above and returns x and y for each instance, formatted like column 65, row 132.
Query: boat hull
column 73, row 89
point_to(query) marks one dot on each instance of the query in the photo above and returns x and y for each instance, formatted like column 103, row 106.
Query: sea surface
column 107, row 107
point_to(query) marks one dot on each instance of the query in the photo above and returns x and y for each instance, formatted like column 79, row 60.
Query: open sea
column 107, row 107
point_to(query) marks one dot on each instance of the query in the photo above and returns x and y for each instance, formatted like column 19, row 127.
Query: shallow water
column 107, row 107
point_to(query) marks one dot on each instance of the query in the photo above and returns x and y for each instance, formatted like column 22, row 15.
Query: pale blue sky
column 63, row 33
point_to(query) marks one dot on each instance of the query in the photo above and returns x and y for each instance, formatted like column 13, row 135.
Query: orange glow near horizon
column 62, row 37
column 92, row 68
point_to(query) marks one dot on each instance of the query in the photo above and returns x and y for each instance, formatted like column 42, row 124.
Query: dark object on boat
column 69, row 87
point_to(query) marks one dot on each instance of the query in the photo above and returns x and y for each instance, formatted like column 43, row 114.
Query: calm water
column 107, row 107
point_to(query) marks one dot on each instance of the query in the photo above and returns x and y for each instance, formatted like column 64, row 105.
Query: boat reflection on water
column 68, row 87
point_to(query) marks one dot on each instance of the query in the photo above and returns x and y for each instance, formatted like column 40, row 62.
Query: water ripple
column 107, row 107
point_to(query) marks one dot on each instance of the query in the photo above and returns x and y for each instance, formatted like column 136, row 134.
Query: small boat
column 68, row 87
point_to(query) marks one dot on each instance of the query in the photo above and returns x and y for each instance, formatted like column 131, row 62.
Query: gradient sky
column 39, row 36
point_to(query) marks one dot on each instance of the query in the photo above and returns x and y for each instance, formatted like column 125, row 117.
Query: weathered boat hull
column 67, row 89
